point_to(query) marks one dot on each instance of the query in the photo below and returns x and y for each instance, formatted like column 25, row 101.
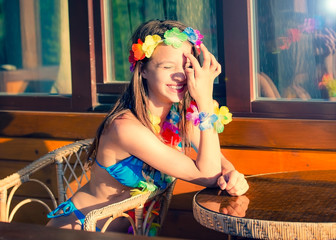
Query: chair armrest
column 69, row 164
column 15, row 180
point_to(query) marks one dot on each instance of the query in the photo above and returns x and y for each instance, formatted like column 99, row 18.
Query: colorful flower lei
column 173, row 37
column 169, row 131
column 329, row 83
column 221, row 117
column 294, row 34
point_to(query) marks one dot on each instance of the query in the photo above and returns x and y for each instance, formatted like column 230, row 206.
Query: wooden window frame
column 112, row 90
column 87, row 66
column 83, row 95
column 234, row 31
column 239, row 73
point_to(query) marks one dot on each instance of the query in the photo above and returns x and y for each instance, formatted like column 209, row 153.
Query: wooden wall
column 253, row 145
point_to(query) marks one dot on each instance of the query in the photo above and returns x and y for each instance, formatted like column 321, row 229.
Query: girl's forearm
column 208, row 158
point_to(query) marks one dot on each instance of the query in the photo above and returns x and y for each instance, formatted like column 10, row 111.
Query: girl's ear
column 143, row 70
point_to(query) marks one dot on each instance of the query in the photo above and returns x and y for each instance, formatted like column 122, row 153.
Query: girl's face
column 166, row 79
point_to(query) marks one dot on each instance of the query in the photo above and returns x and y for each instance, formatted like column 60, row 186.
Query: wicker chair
column 71, row 175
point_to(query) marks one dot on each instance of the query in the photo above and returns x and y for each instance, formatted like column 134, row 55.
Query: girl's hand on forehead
column 200, row 79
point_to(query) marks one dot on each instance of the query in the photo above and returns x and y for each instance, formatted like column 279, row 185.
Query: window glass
column 34, row 47
column 123, row 17
column 295, row 49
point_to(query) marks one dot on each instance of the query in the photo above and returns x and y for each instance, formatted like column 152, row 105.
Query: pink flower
column 193, row 114
column 308, row 26
column 169, row 126
column 199, row 39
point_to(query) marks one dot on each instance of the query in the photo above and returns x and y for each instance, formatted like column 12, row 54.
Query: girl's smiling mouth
column 177, row 88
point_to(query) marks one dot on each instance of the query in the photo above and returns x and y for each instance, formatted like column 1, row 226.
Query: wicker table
column 292, row 205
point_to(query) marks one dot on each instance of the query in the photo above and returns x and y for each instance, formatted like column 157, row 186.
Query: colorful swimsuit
column 131, row 172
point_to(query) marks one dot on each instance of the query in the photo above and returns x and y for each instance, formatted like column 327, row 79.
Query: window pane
column 34, row 47
column 295, row 49
column 123, row 17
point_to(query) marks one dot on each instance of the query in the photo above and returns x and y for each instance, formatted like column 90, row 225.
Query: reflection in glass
column 236, row 206
column 34, row 47
column 121, row 18
column 295, row 49
column 303, row 196
column 222, row 202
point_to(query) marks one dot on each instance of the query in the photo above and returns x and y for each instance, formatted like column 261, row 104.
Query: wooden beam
column 28, row 149
column 240, row 133
column 50, row 125
column 280, row 134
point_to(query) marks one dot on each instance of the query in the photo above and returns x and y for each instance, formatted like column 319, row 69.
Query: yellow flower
column 223, row 113
column 224, row 117
column 227, row 116
column 155, row 120
column 150, row 44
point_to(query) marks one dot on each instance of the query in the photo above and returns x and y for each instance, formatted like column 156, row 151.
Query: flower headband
column 172, row 37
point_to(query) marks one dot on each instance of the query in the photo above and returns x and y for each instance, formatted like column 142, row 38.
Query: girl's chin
column 179, row 97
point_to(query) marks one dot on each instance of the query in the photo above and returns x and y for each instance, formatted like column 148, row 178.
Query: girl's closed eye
column 168, row 66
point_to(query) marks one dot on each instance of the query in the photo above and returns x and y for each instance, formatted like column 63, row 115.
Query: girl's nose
column 179, row 76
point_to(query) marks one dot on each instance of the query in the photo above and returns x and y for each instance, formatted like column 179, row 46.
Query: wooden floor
column 20, row 231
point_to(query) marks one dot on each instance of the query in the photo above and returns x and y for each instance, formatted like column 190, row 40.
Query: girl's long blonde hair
column 134, row 98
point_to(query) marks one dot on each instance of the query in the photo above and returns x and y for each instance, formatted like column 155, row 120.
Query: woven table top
column 292, row 205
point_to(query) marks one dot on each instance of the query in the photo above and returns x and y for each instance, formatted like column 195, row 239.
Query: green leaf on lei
column 145, row 186
column 168, row 179
column 175, row 37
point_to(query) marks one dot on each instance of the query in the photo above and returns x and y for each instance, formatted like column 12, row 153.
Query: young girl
column 167, row 107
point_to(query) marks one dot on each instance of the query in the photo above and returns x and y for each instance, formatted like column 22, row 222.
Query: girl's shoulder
column 124, row 133
column 125, row 120
column 126, row 125
column 129, row 135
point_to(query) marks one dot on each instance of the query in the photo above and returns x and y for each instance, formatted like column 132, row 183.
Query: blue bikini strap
column 68, row 207
column 81, row 218
column 100, row 165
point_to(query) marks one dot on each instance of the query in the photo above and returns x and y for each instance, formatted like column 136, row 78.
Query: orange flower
column 139, row 54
